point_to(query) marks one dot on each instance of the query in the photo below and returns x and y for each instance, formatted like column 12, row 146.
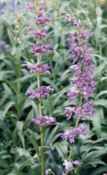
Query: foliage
column 18, row 136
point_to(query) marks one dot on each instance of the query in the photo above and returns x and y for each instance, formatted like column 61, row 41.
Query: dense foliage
column 21, row 148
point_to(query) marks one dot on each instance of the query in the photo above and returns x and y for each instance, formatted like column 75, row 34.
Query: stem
column 38, row 85
column 42, row 157
column 18, row 67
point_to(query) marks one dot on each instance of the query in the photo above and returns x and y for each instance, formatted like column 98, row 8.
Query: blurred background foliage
column 18, row 137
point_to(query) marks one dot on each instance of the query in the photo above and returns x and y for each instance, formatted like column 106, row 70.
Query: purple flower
column 78, row 45
column 44, row 121
column 88, row 108
column 38, row 68
column 72, row 93
column 40, row 33
column 78, row 111
column 41, row 92
column 77, row 70
column 71, row 134
column 83, row 72
column 69, row 112
column 42, row 19
column 41, row 48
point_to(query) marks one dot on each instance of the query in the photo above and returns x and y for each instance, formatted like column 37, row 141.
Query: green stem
column 18, row 69
column 42, row 157
column 18, row 66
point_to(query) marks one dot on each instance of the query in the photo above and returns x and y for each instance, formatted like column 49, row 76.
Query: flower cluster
column 82, row 111
column 42, row 18
column 83, row 83
column 73, row 133
column 38, row 68
column 44, row 121
column 40, row 33
column 83, row 74
column 39, row 48
column 41, row 92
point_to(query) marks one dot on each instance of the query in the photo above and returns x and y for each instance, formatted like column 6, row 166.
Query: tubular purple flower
column 39, row 68
column 41, row 92
column 40, row 33
column 72, row 93
column 41, row 48
column 78, row 44
column 42, row 19
column 71, row 134
column 84, row 111
column 44, row 121
column 88, row 109
column 69, row 112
